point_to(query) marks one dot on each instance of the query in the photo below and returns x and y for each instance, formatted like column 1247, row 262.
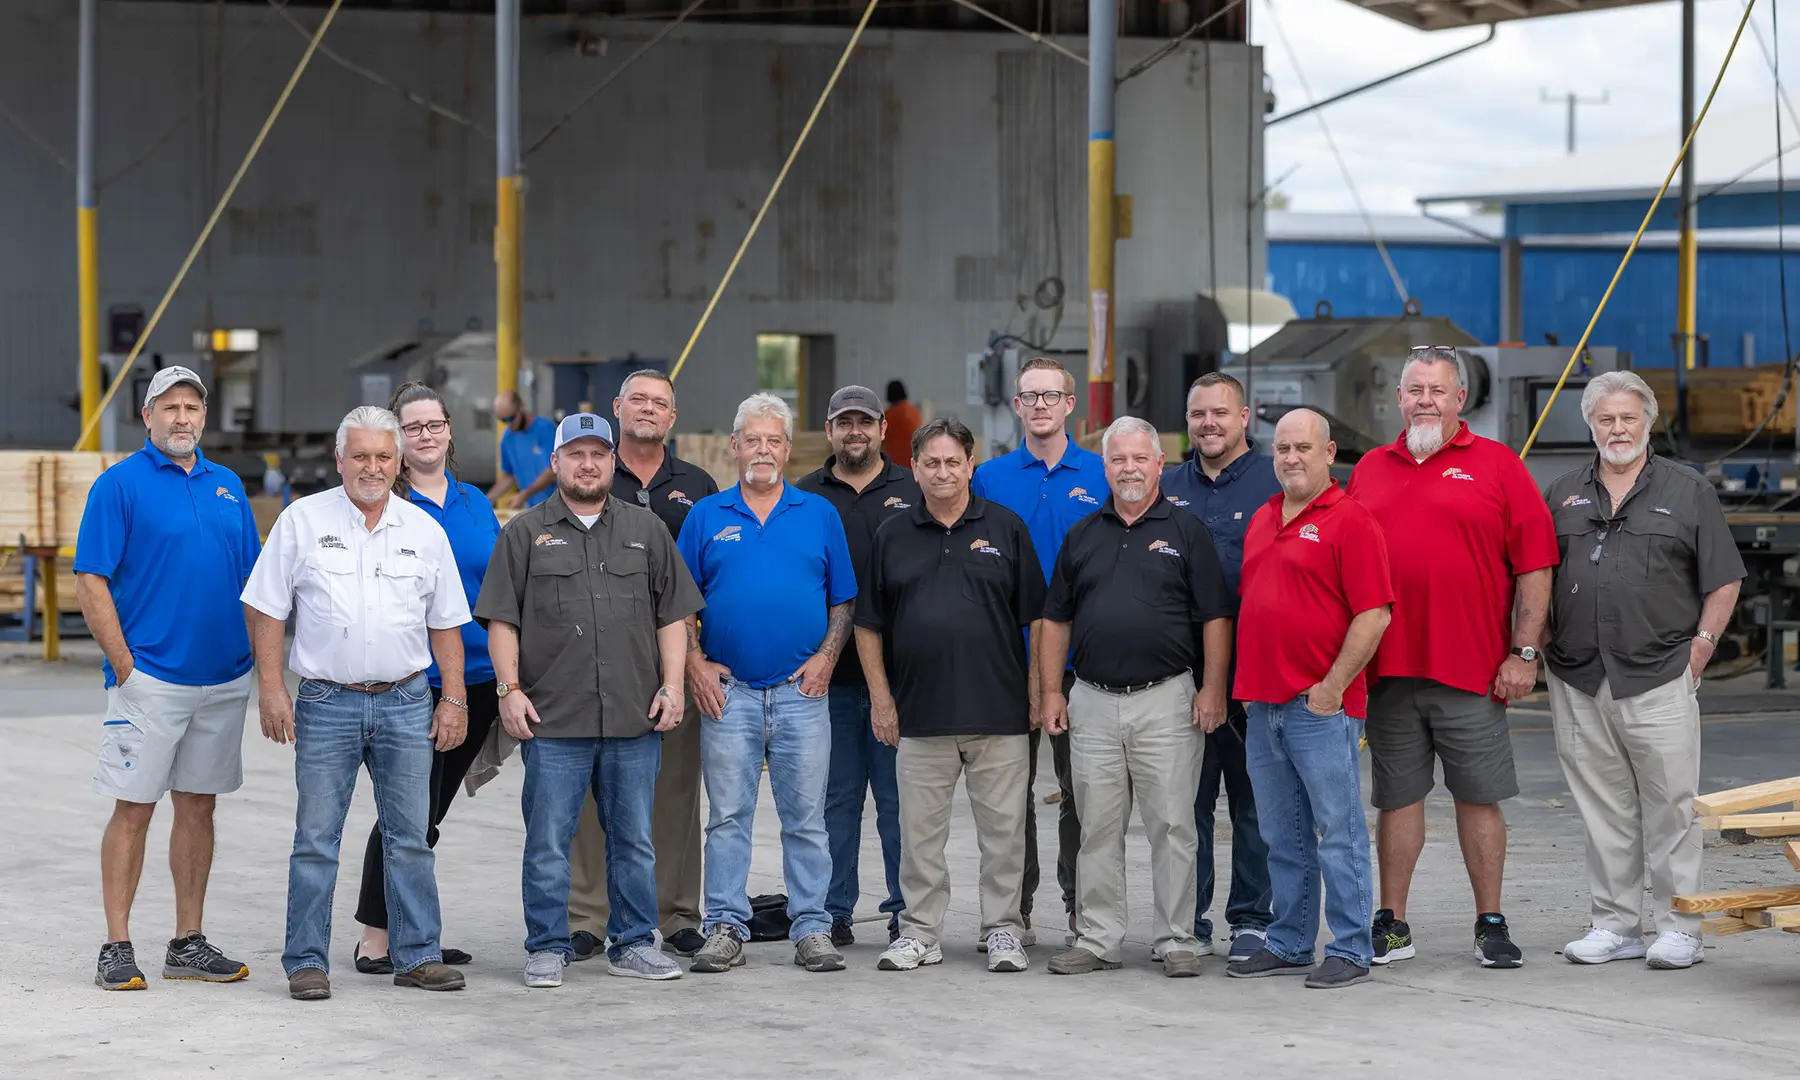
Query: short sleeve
column 1206, row 577
column 1716, row 559
column 1530, row 533
column 270, row 588
column 840, row 570
column 1029, row 587
column 449, row 607
column 105, row 523
column 1059, row 601
column 503, row 586
column 677, row 596
column 1363, row 562
column 872, row 601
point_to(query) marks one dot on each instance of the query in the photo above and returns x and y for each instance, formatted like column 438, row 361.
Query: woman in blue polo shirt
column 427, row 478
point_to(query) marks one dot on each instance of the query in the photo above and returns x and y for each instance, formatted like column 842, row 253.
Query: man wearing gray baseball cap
column 166, row 543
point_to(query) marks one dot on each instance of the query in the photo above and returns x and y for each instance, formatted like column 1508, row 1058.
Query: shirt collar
column 390, row 510
column 1158, row 509
column 664, row 471
column 1239, row 465
column 1325, row 500
column 556, row 510
column 1463, row 437
column 161, row 459
column 1028, row 460
column 734, row 495
column 888, row 474
column 976, row 509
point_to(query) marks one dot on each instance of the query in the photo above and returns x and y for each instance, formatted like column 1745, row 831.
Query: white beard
column 1425, row 439
column 1627, row 456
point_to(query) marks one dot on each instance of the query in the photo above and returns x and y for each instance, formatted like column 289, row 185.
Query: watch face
column 1528, row 653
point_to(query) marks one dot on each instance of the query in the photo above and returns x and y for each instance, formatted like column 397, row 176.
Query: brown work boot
column 309, row 984
column 430, row 976
column 1079, row 961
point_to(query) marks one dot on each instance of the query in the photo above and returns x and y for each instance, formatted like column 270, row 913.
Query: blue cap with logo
column 583, row 426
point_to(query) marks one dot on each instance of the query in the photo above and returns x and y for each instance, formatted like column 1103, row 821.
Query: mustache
column 1131, row 478
column 762, row 459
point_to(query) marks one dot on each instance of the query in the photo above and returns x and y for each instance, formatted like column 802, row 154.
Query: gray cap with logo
column 169, row 378
column 854, row 399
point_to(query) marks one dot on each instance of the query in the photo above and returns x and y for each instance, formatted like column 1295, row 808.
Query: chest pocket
column 628, row 584
column 402, row 584
column 987, row 580
column 1653, row 549
column 1575, row 533
column 558, row 587
column 330, row 587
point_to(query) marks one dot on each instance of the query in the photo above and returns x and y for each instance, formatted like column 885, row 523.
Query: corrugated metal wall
column 943, row 171
column 1739, row 293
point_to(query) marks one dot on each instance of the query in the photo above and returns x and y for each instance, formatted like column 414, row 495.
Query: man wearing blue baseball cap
column 584, row 603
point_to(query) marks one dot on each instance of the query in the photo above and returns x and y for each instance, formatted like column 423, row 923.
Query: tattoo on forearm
column 837, row 629
column 693, row 634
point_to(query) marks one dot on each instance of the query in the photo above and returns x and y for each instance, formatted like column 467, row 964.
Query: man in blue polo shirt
column 1224, row 484
column 525, row 476
column 1052, row 483
column 774, row 566
column 166, row 543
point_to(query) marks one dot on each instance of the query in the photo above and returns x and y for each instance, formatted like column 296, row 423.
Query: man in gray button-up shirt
column 1648, row 580
column 584, row 602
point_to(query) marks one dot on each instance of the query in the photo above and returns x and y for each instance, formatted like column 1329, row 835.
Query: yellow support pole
column 1687, row 293
column 1103, row 25
column 87, row 234
column 509, row 268
column 52, row 608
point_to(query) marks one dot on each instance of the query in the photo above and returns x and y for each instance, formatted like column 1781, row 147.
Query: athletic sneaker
column 1005, row 952
column 1601, row 946
column 1675, row 950
column 1246, row 942
column 193, row 957
column 1493, row 943
column 641, row 961
column 545, row 969
column 1335, row 972
column 118, row 968
column 1393, row 938
column 843, row 933
column 723, row 951
column 584, row 945
column 1027, row 937
column 907, row 953
column 815, row 952
column 1263, row 965
column 685, row 942
column 1080, row 961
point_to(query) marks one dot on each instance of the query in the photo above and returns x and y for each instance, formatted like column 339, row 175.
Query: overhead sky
column 1449, row 125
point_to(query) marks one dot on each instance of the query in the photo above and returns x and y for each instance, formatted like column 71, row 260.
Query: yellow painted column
column 509, row 267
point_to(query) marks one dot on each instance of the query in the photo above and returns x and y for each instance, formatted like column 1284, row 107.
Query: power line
column 655, row 39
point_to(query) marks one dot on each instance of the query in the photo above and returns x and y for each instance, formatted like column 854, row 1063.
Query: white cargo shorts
column 159, row 736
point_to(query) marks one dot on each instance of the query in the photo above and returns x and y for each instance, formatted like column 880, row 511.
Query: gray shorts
column 1413, row 720
column 158, row 737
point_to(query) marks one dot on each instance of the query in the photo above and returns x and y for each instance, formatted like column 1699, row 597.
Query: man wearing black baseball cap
column 867, row 489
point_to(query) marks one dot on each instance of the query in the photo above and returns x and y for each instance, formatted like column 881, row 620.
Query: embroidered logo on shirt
column 984, row 547
column 1576, row 500
column 1081, row 493
column 329, row 541
column 1309, row 532
column 1660, row 510
column 1161, row 547
column 409, row 553
column 729, row 532
column 1178, row 502
column 1239, row 516
column 1454, row 473
column 225, row 493
column 546, row 540
column 894, row 501
column 635, row 544
column 681, row 498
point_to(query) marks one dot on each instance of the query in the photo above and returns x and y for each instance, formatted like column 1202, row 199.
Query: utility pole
column 508, row 263
column 87, row 232
column 1571, row 99
column 1686, row 283
column 1103, row 25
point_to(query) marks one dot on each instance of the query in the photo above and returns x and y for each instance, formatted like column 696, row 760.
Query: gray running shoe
column 194, row 957
column 641, row 961
column 1006, row 952
column 118, row 968
column 722, row 952
column 545, row 969
column 815, row 952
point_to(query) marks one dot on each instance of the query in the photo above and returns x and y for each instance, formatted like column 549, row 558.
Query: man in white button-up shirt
column 376, row 597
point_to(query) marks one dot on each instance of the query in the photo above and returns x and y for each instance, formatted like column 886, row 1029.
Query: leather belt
column 1135, row 688
column 377, row 687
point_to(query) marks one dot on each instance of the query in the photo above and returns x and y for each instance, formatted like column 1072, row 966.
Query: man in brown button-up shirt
column 1648, row 579
column 584, row 602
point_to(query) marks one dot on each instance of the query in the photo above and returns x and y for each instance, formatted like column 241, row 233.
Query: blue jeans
column 793, row 732
column 1247, row 907
column 859, row 763
column 559, row 773
column 336, row 732
column 1309, row 797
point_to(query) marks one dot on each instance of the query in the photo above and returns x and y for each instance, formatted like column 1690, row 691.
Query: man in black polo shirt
column 1139, row 588
column 868, row 489
column 648, row 475
column 948, row 587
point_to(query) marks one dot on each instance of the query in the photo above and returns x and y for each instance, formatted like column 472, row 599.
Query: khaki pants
column 1141, row 746
column 996, row 771
column 1633, row 766
column 674, row 832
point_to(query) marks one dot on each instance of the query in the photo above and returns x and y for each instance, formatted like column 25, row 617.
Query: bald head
column 1303, row 455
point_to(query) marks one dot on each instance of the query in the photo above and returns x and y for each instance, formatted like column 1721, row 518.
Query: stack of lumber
column 13, row 600
column 1172, row 444
column 42, row 495
column 1726, row 402
column 1733, row 911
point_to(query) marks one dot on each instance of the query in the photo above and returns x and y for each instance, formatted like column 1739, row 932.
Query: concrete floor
column 1439, row 1015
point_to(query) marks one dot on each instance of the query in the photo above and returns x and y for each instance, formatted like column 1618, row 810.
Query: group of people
column 1237, row 620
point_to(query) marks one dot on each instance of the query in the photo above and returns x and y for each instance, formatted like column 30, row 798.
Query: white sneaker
column 545, row 969
column 1675, row 950
column 1600, row 946
column 1005, row 952
column 907, row 953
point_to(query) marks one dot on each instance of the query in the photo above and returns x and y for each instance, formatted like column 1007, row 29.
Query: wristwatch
column 1526, row 653
column 504, row 688
column 1708, row 635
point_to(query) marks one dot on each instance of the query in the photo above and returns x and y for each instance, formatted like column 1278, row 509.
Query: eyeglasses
column 1594, row 556
column 436, row 427
column 1030, row 398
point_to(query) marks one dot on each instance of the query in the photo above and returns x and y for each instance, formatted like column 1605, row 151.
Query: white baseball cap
column 171, row 377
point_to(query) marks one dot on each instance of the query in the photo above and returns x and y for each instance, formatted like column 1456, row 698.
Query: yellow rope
column 218, row 210
column 818, row 107
column 1632, row 249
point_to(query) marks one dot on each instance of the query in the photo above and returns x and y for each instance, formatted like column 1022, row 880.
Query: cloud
column 1449, row 125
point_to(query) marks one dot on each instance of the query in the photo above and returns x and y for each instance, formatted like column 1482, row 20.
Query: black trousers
column 448, row 767
column 1068, row 826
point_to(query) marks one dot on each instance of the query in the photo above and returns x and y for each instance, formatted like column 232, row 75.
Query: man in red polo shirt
column 1316, row 598
column 1472, row 548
